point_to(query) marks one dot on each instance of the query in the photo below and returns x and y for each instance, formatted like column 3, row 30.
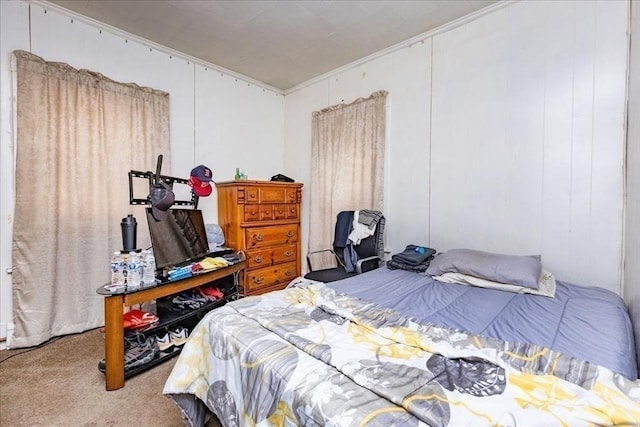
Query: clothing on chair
column 359, row 230
column 343, row 227
column 344, row 223
column 369, row 217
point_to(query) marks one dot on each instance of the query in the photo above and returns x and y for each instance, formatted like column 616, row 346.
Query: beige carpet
column 58, row 384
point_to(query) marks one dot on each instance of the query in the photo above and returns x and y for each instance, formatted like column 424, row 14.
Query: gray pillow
column 509, row 269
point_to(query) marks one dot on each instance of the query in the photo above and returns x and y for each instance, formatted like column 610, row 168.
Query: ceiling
column 280, row 43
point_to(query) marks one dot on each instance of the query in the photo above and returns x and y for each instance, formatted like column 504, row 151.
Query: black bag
column 282, row 178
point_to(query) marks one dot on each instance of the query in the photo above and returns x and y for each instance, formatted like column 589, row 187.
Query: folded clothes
column 414, row 255
column 369, row 217
column 420, row 268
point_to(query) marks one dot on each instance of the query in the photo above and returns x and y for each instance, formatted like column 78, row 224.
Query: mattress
column 588, row 323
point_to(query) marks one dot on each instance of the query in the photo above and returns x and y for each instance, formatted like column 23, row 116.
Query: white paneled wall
column 527, row 140
column 504, row 134
column 237, row 125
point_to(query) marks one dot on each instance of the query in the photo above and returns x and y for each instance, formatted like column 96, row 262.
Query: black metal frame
column 155, row 178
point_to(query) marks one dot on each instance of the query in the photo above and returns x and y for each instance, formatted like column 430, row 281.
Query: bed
column 394, row 347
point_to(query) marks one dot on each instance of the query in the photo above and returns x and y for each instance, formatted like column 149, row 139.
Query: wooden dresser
column 262, row 218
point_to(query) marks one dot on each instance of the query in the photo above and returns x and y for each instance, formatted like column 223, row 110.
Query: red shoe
column 211, row 293
column 138, row 319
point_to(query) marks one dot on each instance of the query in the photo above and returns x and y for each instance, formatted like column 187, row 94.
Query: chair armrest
column 317, row 252
column 367, row 264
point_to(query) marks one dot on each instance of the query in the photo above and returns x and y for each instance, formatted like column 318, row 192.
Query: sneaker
column 136, row 355
column 179, row 336
column 140, row 355
column 189, row 300
column 165, row 345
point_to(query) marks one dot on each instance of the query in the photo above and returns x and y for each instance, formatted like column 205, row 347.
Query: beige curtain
column 78, row 135
column 347, row 164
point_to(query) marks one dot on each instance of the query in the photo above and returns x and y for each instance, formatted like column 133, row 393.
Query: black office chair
column 350, row 259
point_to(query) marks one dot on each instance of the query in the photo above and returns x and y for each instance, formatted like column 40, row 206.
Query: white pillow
column 546, row 283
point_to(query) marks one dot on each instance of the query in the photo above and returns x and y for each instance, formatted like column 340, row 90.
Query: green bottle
column 237, row 174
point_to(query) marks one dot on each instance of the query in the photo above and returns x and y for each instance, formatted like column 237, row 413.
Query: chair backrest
column 369, row 246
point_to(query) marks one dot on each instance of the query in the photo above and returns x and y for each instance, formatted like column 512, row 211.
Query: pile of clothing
column 412, row 258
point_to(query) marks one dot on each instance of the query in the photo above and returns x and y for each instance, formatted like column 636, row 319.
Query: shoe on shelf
column 138, row 319
column 190, row 300
column 165, row 345
column 211, row 293
column 142, row 354
column 179, row 336
column 141, row 351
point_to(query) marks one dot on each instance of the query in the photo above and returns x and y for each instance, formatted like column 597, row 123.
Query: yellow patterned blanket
column 309, row 356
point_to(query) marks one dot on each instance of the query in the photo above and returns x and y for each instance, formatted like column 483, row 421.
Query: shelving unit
column 113, row 312
column 169, row 319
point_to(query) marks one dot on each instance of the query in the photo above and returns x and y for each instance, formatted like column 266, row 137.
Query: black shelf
column 158, row 360
column 169, row 317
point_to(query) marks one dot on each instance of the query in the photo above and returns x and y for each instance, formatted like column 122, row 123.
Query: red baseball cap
column 200, row 180
column 201, row 188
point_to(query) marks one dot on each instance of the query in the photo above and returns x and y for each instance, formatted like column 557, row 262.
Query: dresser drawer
column 280, row 211
column 255, row 213
column 266, row 212
column 267, row 195
column 292, row 212
column 251, row 213
column 268, row 276
column 287, row 253
column 291, row 195
column 256, row 237
column 259, row 258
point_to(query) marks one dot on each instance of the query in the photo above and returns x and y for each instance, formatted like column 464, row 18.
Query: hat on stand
column 200, row 180
column 162, row 198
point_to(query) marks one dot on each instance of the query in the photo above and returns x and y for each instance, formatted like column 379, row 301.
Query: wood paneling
column 527, row 142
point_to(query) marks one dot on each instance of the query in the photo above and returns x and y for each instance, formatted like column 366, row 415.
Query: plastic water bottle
column 148, row 268
column 134, row 271
column 117, row 269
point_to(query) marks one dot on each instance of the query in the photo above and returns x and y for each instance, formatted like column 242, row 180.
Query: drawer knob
column 267, row 212
column 288, row 253
column 253, row 213
column 289, row 233
column 259, row 237
column 258, row 259
column 288, row 273
column 253, row 196
column 258, row 280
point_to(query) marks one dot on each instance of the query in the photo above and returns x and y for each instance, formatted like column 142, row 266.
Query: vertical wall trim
column 625, row 157
column 430, row 140
column 29, row 14
column 195, row 91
